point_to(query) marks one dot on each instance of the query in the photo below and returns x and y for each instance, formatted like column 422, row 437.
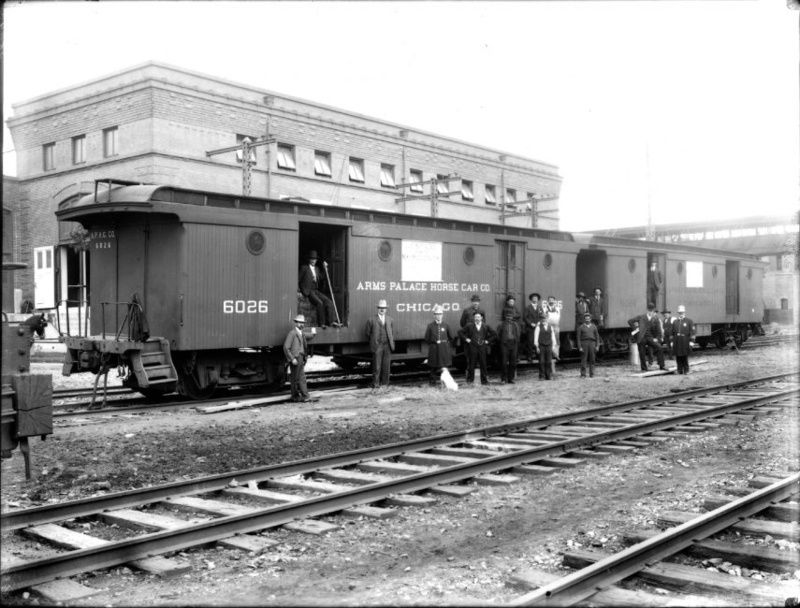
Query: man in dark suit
column 598, row 308
column 683, row 334
column 312, row 285
column 380, row 333
column 654, row 283
column 649, row 333
column 295, row 349
column 439, row 339
column 508, row 335
column 531, row 316
column 477, row 337
column 467, row 318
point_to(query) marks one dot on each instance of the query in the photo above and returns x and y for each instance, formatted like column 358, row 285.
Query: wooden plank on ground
column 239, row 404
column 248, row 542
column 298, row 482
column 193, row 504
column 532, row 578
column 369, row 511
column 452, row 490
column 679, row 577
column 396, row 468
column 263, row 496
column 63, row 590
column 311, row 526
column 757, row 557
column 489, row 479
column 782, row 511
column 409, row 500
column 754, row 527
column 141, row 520
column 349, row 476
column 425, row 458
column 533, row 469
column 64, row 537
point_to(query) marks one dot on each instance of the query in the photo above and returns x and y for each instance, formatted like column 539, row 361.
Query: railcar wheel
column 188, row 387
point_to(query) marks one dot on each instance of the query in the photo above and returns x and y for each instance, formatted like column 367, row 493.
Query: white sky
column 707, row 91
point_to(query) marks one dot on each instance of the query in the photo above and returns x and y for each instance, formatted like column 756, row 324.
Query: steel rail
column 11, row 520
column 103, row 556
column 584, row 583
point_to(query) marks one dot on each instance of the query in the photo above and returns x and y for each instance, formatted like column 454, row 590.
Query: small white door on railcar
column 44, row 277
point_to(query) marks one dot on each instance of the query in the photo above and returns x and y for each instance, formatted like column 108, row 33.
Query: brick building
column 156, row 123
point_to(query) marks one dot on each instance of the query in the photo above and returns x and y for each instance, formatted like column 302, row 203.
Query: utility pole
column 433, row 197
column 245, row 147
column 534, row 208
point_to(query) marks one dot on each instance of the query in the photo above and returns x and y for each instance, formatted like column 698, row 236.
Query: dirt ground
column 458, row 551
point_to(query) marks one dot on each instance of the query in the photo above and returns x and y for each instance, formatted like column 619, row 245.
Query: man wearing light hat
column 295, row 349
column 683, row 334
column 438, row 337
column 380, row 333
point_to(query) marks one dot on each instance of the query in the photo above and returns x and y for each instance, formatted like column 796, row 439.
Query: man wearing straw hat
column 295, row 349
column 380, row 333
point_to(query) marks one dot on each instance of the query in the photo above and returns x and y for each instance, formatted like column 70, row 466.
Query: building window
column 322, row 163
column 511, row 196
column 110, row 142
column 416, row 180
column 49, row 156
column 442, row 185
column 489, row 196
column 78, row 149
column 286, row 157
column 356, row 170
column 784, row 303
column 466, row 190
column 239, row 139
column 387, row 176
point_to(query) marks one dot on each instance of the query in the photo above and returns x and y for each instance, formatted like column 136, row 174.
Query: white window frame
column 79, row 149
column 511, row 196
column 285, row 157
column 442, row 186
column 110, row 142
column 322, row 163
column 489, row 194
column 355, row 169
column 466, row 190
column 49, row 156
column 387, row 176
column 415, row 177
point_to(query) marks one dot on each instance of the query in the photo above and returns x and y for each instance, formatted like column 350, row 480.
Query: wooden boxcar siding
column 160, row 297
column 103, row 280
column 751, row 290
column 216, row 267
column 558, row 280
column 704, row 304
column 626, row 292
column 372, row 279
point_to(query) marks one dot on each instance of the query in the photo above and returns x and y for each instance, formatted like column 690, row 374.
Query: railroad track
column 229, row 508
column 685, row 558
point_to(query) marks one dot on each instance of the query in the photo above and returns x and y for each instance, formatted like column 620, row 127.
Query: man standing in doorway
column 654, row 283
column 598, row 308
column 380, row 333
column 312, row 285
column 683, row 334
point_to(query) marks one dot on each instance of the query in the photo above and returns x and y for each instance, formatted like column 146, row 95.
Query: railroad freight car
column 194, row 290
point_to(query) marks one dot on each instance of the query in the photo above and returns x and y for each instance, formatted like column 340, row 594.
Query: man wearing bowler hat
column 312, row 285
column 380, row 333
column 295, row 349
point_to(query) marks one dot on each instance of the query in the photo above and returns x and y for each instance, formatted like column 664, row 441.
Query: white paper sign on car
column 422, row 261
